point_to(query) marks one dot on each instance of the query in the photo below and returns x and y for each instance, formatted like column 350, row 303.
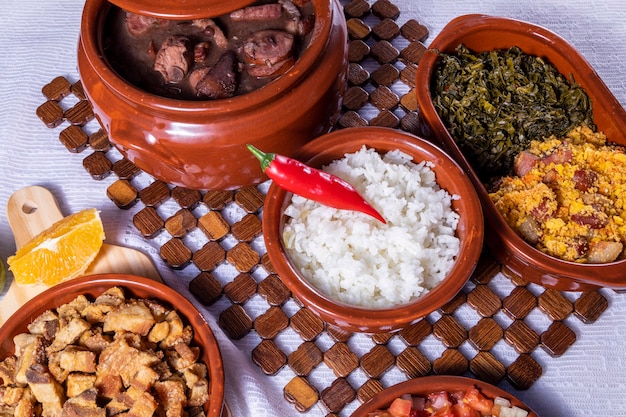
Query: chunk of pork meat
column 560, row 155
column 584, row 179
column 603, row 252
column 597, row 200
column 530, row 230
column 196, row 76
column 524, row 162
column 262, row 71
column 210, row 28
column 305, row 26
column 220, row 81
column 293, row 21
column 595, row 219
column 200, row 51
column 138, row 24
column 269, row 52
column 292, row 25
column 255, row 13
column 173, row 59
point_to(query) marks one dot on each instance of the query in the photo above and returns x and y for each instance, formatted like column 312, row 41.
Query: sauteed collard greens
column 495, row 102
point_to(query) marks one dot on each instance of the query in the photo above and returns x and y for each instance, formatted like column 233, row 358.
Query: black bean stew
column 204, row 59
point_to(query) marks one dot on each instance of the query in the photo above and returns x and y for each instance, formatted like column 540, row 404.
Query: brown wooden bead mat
column 484, row 332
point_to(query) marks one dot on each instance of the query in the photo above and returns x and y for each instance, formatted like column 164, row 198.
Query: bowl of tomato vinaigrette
column 443, row 395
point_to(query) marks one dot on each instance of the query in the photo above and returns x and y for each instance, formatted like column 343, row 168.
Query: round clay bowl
column 450, row 177
column 429, row 384
column 202, row 144
column 134, row 287
column 482, row 33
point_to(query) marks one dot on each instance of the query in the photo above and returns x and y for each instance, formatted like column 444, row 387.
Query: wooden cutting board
column 32, row 210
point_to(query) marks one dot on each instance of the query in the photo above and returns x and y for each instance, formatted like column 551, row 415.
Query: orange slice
column 61, row 252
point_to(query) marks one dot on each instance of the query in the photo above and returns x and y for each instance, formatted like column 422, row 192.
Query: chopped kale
column 495, row 102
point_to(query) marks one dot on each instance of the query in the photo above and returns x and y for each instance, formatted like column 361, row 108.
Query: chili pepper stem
column 264, row 158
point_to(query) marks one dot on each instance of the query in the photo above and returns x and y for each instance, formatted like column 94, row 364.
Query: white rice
column 354, row 258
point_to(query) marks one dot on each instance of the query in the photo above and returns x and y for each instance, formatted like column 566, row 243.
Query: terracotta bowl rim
column 446, row 41
column 277, row 198
column 433, row 383
column 68, row 290
column 89, row 44
column 175, row 9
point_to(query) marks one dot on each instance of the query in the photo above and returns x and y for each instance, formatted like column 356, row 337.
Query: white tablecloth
column 38, row 41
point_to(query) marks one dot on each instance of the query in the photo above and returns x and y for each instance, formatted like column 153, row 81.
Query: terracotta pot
column 482, row 33
column 201, row 144
column 449, row 176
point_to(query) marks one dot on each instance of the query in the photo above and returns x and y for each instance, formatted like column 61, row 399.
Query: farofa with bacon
column 567, row 197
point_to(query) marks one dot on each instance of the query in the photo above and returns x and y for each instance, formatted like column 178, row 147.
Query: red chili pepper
column 314, row 184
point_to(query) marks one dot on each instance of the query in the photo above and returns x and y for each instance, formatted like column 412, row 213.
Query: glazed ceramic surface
column 202, row 144
column 480, row 33
column 428, row 384
column 176, row 9
column 135, row 287
column 450, row 177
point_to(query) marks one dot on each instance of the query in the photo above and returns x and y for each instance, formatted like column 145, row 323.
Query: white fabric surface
column 38, row 41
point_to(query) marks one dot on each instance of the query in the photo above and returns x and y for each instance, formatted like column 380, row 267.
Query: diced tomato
column 419, row 413
column 464, row 410
column 379, row 413
column 457, row 396
column 445, row 411
column 400, row 407
column 477, row 401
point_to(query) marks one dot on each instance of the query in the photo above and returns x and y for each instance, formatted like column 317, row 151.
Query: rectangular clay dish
column 482, row 33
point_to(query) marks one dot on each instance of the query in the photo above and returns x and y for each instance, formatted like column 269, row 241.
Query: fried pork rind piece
column 46, row 325
column 47, row 390
column 68, row 334
column 83, row 405
column 113, row 356
column 172, row 397
column 79, row 382
column 17, row 402
column 30, row 351
column 8, row 369
column 133, row 317
column 197, row 383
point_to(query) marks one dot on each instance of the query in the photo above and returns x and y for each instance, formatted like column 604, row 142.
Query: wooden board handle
column 32, row 210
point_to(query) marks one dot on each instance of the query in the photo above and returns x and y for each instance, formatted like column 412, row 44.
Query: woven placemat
column 492, row 310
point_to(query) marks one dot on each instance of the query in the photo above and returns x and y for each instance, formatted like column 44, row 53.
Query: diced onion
column 502, row 402
column 512, row 412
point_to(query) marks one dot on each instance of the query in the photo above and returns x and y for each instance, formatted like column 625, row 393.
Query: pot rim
column 184, row 10
column 94, row 13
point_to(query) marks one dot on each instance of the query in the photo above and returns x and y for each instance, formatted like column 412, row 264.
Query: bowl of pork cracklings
column 108, row 344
